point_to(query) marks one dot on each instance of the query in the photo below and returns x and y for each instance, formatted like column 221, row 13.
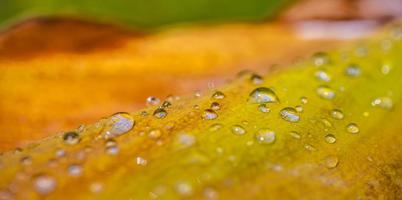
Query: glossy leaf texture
column 327, row 128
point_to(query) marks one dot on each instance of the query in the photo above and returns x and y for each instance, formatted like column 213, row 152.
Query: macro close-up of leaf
column 279, row 109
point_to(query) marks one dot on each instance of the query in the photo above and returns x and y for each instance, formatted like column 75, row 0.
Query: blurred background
column 68, row 62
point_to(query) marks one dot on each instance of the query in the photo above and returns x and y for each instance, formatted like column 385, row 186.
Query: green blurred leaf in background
column 142, row 13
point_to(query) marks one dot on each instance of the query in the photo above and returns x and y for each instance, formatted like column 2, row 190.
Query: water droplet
column 209, row 114
column 310, row 147
column 352, row 128
column 238, row 130
column 320, row 59
column 353, row 70
column 303, row 100
column 60, row 153
column 166, row 104
column 141, row 161
column 290, row 114
column 71, row 138
column 299, row 108
column 325, row 92
column 322, row 76
column 330, row 138
column 383, row 102
column 218, row 95
column 215, row 106
column 256, row 79
column 160, row 113
column 155, row 134
column 210, row 194
column 295, row 134
column 264, row 108
column 153, row 101
column 184, row 188
column 26, row 160
column 119, row 124
column 215, row 127
column 111, row 147
column 74, row 170
column 185, row 140
column 266, row 136
column 331, row 161
column 385, row 68
column 44, row 184
column 96, row 187
column 263, row 95
column 337, row 114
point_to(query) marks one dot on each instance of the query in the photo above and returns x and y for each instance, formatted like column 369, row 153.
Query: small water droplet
column 310, row 147
column 290, row 114
column 320, row 59
column 353, row 70
column 209, row 114
column 330, row 138
column 385, row 68
column 263, row 95
column 210, row 194
column 153, row 101
column 337, row 114
column 295, row 134
column 215, row 106
column 155, row 134
column 263, row 108
column 119, row 124
column 26, row 160
column 96, row 187
column 160, row 113
column 352, row 128
column 60, row 153
column 325, row 92
column 322, row 76
column 383, row 102
column 266, row 136
column 111, row 147
column 74, row 170
column 299, row 108
column 256, row 79
column 303, row 100
column 141, row 161
column 218, row 95
column 166, row 104
column 331, row 161
column 215, row 127
column 71, row 138
column 238, row 130
column 185, row 140
column 184, row 188
column 44, row 184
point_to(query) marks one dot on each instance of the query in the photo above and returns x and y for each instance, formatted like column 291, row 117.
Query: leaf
column 302, row 148
column 143, row 14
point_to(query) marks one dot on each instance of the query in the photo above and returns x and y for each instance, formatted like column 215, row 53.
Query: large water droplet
column 325, row 92
column 218, row 95
column 160, row 113
column 263, row 95
column 290, row 114
column 238, row 130
column 337, row 114
column 266, row 136
column 353, row 70
column 330, row 138
column 209, row 114
column 71, row 138
column 383, row 102
column 331, row 161
column 352, row 128
column 44, row 184
column 119, row 124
